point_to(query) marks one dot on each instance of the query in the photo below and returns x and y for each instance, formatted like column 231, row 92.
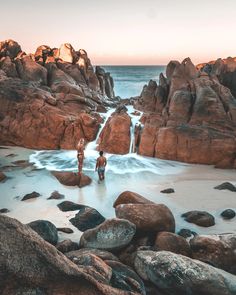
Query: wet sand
column 193, row 185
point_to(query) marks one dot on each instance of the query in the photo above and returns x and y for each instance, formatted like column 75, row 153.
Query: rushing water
column 129, row 80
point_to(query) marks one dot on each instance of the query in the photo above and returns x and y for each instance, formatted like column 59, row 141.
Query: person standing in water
column 80, row 155
column 100, row 165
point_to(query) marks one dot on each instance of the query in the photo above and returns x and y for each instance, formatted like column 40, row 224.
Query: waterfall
column 91, row 146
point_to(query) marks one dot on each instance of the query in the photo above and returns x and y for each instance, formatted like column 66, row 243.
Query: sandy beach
column 193, row 185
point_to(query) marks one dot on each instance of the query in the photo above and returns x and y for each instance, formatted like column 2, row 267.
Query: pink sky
column 126, row 31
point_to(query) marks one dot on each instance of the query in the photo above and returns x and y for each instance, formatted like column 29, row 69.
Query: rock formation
column 191, row 115
column 49, row 99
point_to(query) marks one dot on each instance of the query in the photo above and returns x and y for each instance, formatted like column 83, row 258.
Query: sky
column 125, row 32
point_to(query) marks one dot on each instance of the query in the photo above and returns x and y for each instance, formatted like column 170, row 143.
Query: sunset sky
column 125, row 32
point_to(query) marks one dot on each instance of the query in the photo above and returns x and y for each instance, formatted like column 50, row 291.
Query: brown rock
column 9, row 48
column 67, row 246
column 201, row 218
column 8, row 67
column 72, row 179
column 147, row 217
column 116, row 130
column 22, row 254
column 67, row 53
column 104, row 255
column 128, row 197
column 173, row 243
column 218, row 251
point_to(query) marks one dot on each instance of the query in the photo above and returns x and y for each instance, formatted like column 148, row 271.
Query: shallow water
column 193, row 186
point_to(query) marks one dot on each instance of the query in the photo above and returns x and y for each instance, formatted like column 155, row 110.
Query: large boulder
column 46, row 229
column 67, row 53
column 148, row 217
column 218, row 250
column 169, row 271
column 112, row 234
column 29, row 264
column 128, row 197
column 115, row 136
column 171, row 242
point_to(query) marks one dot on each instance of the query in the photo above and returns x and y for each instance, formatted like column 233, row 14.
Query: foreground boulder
column 87, row 218
column 30, row 264
column 182, row 275
column 218, row 250
column 173, row 243
column 112, row 234
column 72, row 179
column 128, row 197
column 46, row 230
column 201, row 218
column 148, row 217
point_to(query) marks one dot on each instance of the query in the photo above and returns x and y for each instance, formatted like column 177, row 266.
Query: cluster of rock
column 135, row 253
column 50, row 99
column 191, row 115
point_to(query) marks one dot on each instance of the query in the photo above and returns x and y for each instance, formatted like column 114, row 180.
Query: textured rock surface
column 46, row 230
column 72, row 179
column 148, row 217
column 226, row 186
column 29, row 264
column 218, row 250
column 201, row 218
column 228, row 214
column 173, row 243
column 115, row 136
column 112, row 234
column 32, row 195
column 169, row 271
column 87, row 218
column 2, row 176
column 69, row 206
column 191, row 115
column 67, row 246
column 51, row 94
column 128, row 197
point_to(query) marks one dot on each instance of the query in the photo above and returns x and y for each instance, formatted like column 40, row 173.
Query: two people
column 100, row 163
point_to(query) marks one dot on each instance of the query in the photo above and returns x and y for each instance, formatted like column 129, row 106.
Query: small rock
column 30, row 196
column 22, row 163
column 2, row 176
column 228, row 214
column 4, row 210
column 46, row 230
column 186, row 233
column 168, row 191
column 201, row 218
column 226, row 186
column 69, row 206
column 87, row 218
column 56, row 196
column 112, row 234
column 67, row 246
column 11, row 155
column 66, row 230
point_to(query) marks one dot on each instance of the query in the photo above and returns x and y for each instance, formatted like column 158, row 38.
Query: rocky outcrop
column 169, row 271
column 53, row 94
column 28, row 264
column 115, row 136
column 190, row 116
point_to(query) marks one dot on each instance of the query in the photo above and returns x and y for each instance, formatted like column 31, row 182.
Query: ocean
column 129, row 80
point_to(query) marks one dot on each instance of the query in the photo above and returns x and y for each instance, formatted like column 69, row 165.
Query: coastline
column 193, row 185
